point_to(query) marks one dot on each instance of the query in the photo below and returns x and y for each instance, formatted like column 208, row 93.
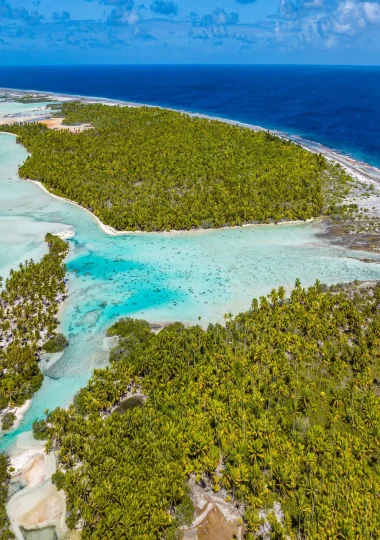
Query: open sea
column 335, row 106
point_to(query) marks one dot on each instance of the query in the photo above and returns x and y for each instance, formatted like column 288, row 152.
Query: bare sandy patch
column 38, row 504
column 29, row 467
column 46, row 512
column 215, row 518
column 56, row 124
column 34, row 474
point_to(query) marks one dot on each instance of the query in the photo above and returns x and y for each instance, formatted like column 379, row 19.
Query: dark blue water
column 336, row 106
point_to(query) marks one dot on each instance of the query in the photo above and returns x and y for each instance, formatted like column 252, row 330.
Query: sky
column 189, row 32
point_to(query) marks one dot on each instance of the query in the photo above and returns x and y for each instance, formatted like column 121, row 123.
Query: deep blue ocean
column 336, row 106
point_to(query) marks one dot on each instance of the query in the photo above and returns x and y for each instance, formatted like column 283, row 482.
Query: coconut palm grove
column 190, row 270
column 29, row 301
column 150, row 169
column 279, row 406
column 276, row 411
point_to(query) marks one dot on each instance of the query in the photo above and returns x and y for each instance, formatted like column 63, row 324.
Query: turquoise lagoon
column 12, row 109
column 160, row 277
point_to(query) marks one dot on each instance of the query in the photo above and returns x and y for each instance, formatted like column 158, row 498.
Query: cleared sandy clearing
column 56, row 123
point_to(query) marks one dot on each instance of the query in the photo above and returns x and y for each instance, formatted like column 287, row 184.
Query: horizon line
column 23, row 66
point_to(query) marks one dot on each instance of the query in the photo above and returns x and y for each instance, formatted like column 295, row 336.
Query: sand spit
column 65, row 235
column 29, row 467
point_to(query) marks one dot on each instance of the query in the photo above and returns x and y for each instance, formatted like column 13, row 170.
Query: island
column 29, row 303
column 152, row 169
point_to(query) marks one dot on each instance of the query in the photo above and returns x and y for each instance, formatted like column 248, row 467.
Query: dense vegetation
column 28, row 307
column 57, row 343
column 8, row 420
column 152, row 169
column 279, row 406
column 5, row 533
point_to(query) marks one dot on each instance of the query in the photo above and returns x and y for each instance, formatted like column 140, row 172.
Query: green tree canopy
column 144, row 168
column 280, row 405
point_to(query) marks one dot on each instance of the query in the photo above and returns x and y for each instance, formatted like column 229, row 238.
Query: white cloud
column 331, row 42
column 327, row 23
column 314, row 4
column 133, row 17
column 299, row 8
column 218, row 17
column 372, row 11
column 123, row 16
column 351, row 17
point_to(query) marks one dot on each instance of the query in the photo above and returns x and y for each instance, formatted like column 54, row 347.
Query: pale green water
column 10, row 108
column 160, row 277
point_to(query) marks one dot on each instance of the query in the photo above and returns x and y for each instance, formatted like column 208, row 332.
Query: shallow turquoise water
column 160, row 277
column 11, row 108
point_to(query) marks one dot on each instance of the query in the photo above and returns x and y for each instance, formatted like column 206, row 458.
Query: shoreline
column 110, row 231
column 105, row 228
column 22, row 462
column 313, row 146
column 19, row 412
column 360, row 170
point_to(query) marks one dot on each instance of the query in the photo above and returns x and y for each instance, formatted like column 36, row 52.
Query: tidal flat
column 9, row 110
column 194, row 277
